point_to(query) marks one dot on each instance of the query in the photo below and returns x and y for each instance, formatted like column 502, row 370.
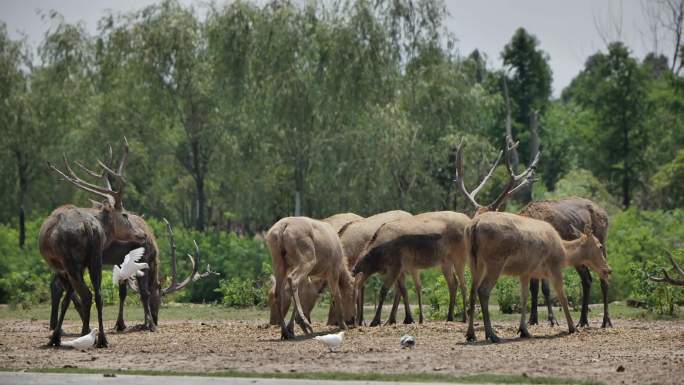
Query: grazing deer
column 355, row 236
column 565, row 215
column 309, row 291
column 410, row 245
column 504, row 243
column 72, row 239
column 303, row 248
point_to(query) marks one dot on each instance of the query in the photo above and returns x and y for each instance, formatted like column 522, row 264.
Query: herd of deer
column 342, row 252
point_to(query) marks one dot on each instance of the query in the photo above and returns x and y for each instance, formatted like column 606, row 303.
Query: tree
column 529, row 88
column 613, row 87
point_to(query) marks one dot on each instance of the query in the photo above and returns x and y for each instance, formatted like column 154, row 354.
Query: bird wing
column 115, row 275
column 136, row 254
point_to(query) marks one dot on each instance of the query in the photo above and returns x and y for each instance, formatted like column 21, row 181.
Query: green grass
column 189, row 312
column 338, row 376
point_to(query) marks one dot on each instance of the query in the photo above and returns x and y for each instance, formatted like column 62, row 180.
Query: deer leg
column 585, row 276
column 56, row 339
column 395, row 306
column 557, row 282
column 76, row 281
column 547, row 298
column 294, row 291
column 460, row 273
column 144, row 288
column 120, row 324
column 474, row 286
column 408, row 314
column 281, row 302
column 483, row 293
column 606, row 317
column 331, row 315
column 534, row 291
column 524, row 291
column 56, row 292
column 447, row 270
column 419, row 286
column 378, row 310
column 95, row 269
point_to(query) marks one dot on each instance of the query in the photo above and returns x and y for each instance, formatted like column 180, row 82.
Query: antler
column 460, row 175
column 666, row 278
column 193, row 276
column 515, row 182
column 114, row 197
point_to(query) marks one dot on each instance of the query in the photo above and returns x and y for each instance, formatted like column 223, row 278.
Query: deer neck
column 573, row 251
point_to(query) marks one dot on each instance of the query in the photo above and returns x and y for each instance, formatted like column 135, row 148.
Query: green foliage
column 661, row 298
column 638, row 237
column 507, row 292
column 238, row 292
column 667, row 183
column 572, row 284
column 582, row 183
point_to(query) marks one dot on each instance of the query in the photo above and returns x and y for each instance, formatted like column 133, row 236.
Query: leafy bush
column 25, row 288
column 239, row 292
column 572, row 284
column 661, row 298
column 508, row 294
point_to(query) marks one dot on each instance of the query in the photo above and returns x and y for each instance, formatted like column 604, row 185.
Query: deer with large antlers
column 148, row 286
column 504, row 243
column 72, row 239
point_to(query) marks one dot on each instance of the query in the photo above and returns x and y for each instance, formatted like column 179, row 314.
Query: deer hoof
column 102, row 341
column 120, row 326
column 494, row 338
column 470, row 337
column 374, row 323
column 607, row 323
column 524, row 333
column 287, row 335
column 552, row 321
column 572, row 329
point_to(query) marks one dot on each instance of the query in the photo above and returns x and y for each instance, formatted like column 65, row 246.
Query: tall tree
column 529, row 88
column 613, row 86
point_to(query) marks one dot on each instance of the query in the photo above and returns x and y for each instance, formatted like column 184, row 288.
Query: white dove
column 332, row 341
column 84, row 342
column 129, row 268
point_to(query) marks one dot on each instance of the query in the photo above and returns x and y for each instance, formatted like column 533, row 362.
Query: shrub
column 508, row 295
column 240, row 292
column 660, row 298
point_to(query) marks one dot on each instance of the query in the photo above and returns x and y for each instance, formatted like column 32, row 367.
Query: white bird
column 407, row 341
column 129, row 268
column 84, row 342
column 332, row 341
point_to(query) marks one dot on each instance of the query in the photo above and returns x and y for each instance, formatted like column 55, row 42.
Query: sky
column 568, row 30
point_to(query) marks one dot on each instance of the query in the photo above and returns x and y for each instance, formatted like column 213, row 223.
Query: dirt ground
column 649, row 351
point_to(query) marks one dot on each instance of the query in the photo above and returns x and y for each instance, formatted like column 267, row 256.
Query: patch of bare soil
column 648, row 351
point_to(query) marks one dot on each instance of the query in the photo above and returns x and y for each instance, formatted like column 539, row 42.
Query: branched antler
column 666, row 278
column 194, row 267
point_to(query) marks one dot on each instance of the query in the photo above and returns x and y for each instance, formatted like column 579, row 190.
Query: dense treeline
column 240, row 114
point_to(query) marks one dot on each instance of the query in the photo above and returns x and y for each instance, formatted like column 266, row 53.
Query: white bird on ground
column 84, row 342
column 129, row 268
column 332, row 341
column 407, row 341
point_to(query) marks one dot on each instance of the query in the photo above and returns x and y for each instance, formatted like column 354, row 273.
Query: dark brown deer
column 410, row 245
column 148, row 286
column 72, row 239
column 565, row 215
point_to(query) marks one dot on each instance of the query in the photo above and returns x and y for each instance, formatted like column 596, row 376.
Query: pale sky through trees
column 567, row 29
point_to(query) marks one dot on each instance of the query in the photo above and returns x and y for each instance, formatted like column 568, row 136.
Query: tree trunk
column 534, row 150
column 22, row 169
column 201, row 204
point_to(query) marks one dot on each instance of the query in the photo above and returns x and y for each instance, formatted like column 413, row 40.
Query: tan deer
column 304, row 248
column 504, row 243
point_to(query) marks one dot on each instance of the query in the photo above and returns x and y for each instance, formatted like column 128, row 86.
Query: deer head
column 591, row 252
column 515, row 182
column 111, row 213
